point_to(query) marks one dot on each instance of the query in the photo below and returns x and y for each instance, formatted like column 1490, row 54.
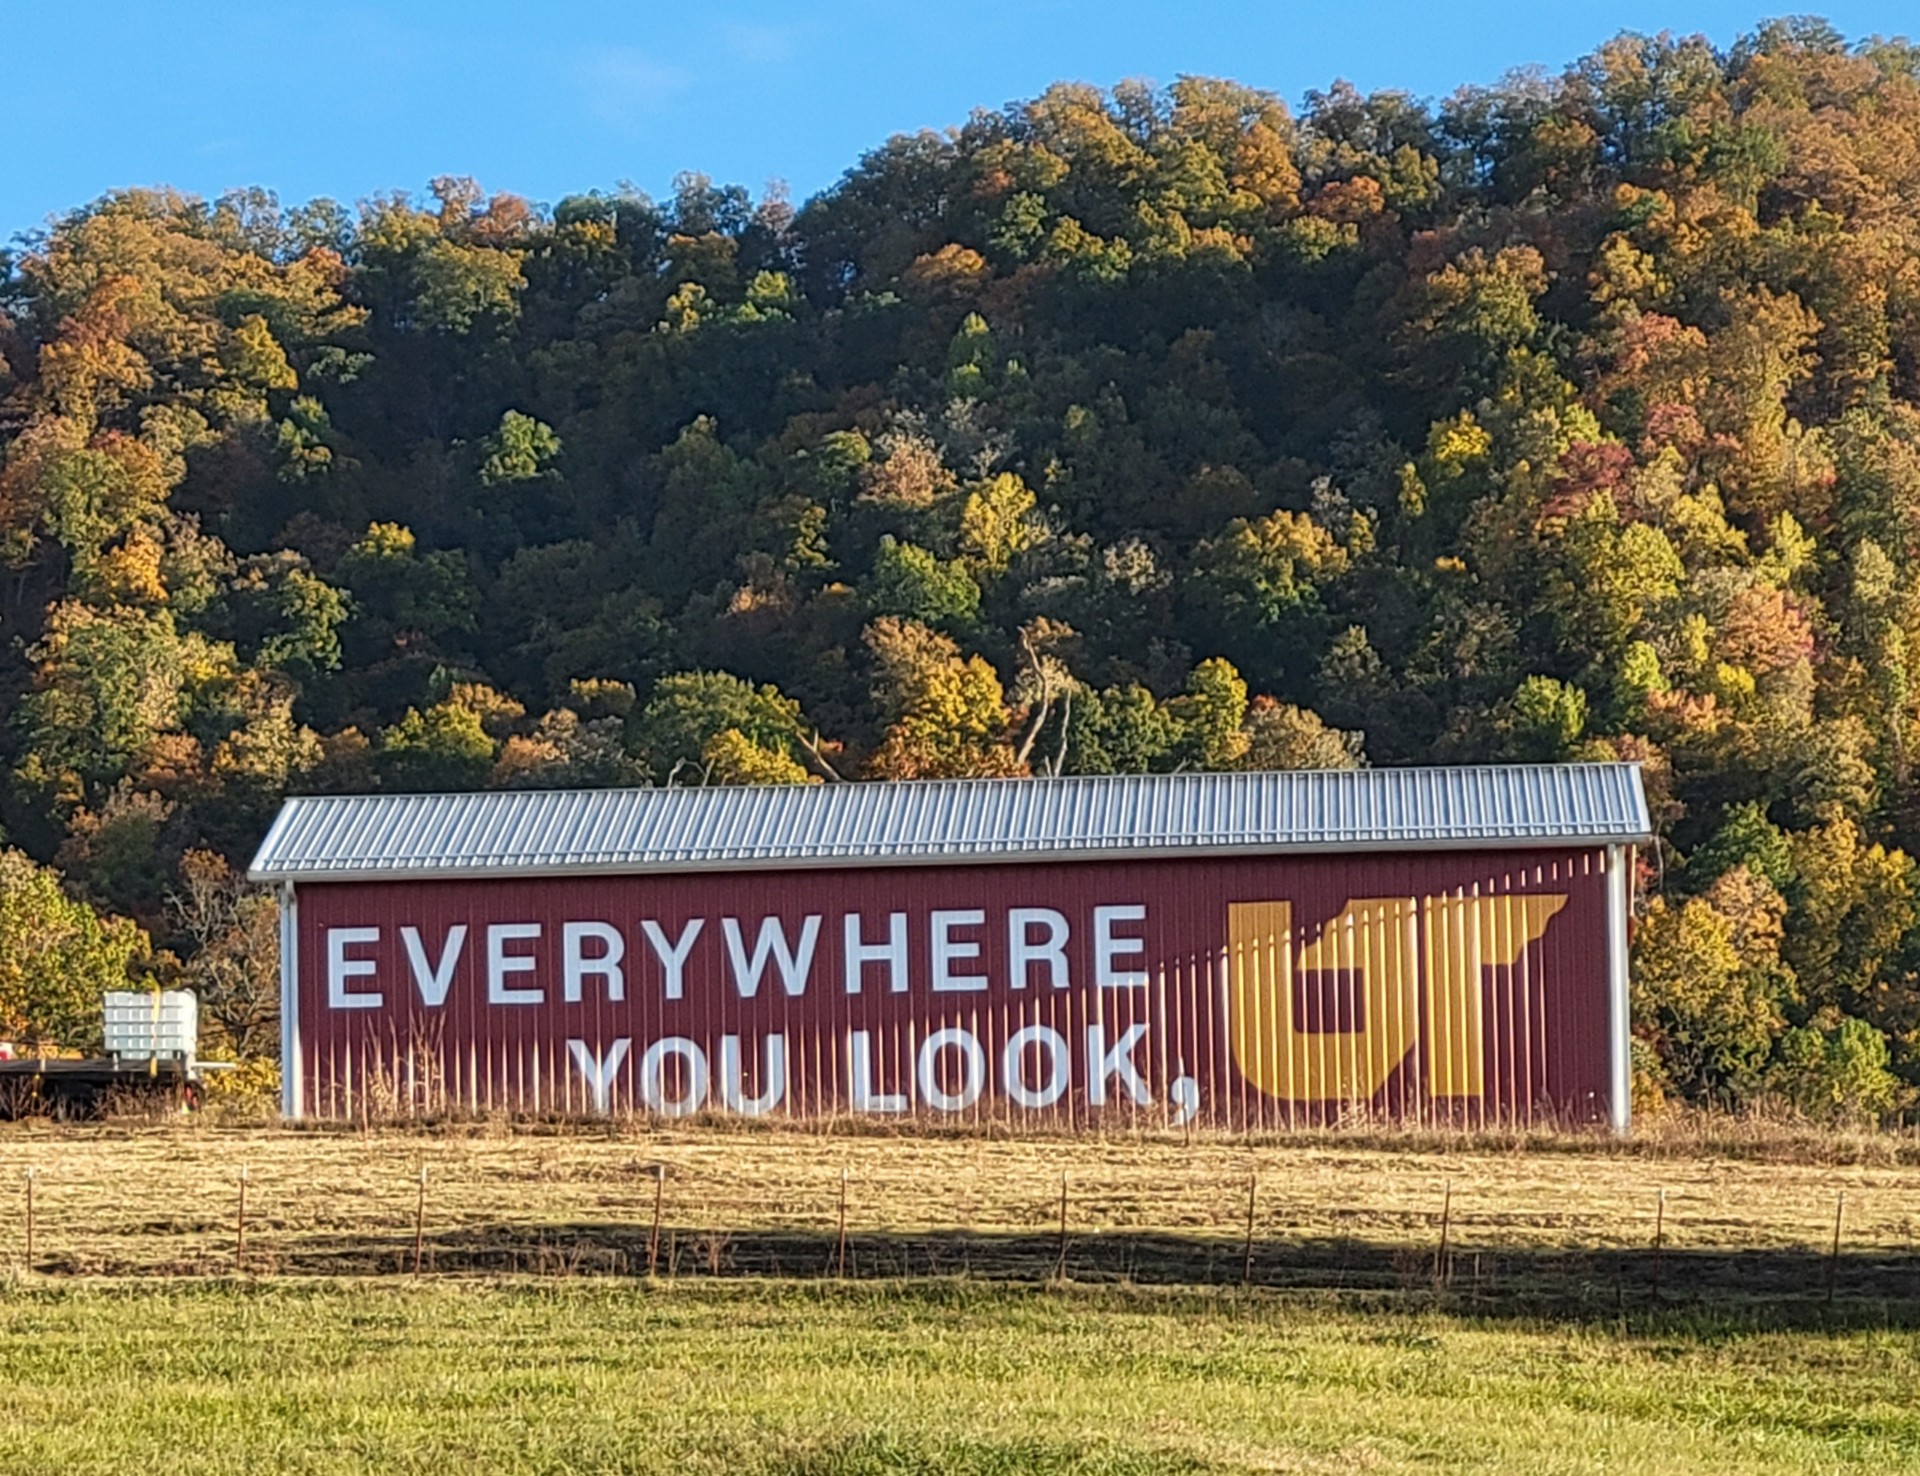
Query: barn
column 1244, row 950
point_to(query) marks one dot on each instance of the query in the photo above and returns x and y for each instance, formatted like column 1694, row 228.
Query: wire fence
column 1490, row 1228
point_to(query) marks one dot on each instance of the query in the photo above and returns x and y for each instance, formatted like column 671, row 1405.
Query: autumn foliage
column 1577, row 417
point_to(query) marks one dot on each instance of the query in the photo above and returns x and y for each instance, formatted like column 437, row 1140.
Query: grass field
column 968, row 1334
column 770, row 1376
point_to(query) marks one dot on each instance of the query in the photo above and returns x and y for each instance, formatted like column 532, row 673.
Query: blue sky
column 548, row 97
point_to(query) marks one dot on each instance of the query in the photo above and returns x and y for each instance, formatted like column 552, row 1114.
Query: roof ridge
column 551, row 832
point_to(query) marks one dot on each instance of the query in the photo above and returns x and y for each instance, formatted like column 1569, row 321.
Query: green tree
column 57, row 957
column 446, row 747
column 108, row 681
column 1121, row 730
column 910, row 583
column 400, row 595
column 1260, row 586
column 1611, row 581
column 1837, row 1072
column 714, row 724
column 1745, row 838
column 1212, row 712
column 1543, row 719
column 521, row 450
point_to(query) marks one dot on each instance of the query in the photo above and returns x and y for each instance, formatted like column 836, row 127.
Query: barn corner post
column 290, row 1103
column 1619, row 1002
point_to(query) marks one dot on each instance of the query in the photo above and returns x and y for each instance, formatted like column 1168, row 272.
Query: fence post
column 420, row 1223
column 653, row 1239
column 240, row 1226
column 1659, row 1240
column 1440, row 1275
column 1060, row 1269
column 1246, row 1264
column 1833, row 1260
column 31, row 1175
column 842, row 1252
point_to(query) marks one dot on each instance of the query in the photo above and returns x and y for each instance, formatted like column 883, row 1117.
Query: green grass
column 934, row 1376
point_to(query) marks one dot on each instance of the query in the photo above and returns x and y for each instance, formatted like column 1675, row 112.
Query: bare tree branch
column 811, row 748
column 1040, row 717
column 1043, row 673
column 1066, row 727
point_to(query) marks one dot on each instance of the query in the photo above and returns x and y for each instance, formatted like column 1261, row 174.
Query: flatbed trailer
column 65, row 1088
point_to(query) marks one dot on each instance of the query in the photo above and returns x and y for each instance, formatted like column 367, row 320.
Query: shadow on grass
column 1878, row 1288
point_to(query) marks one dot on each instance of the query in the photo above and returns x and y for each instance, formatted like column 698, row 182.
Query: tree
column 910, row 583
column 568, row 751
column 1837, row 1072
column 730, row 757
column 521, row 450
column 232, row 931
column 1474, row 311
column 1282, row 736
column 946, row 713
column 1213, row 713
column 998, row 521
column 1852, row 907
column 723, row 729
column 401, row 596
column 1745, row 838
column 1122, row 730
column 287, row 618
column 121, row 849
column 1543, row 719
column 57, row 957
column 1711, row 1006
column 446, row 747
column 1611, row 580
column 107, row 682
column 1260, row 584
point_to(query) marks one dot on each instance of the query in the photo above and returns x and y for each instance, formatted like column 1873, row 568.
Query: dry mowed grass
column 1746, row 1213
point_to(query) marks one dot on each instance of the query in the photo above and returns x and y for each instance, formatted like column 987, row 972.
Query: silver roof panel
column 616, row 831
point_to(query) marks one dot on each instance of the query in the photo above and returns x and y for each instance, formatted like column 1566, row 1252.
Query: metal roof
column 619, row 831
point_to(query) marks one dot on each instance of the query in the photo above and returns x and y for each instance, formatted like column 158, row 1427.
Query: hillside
column 1574, row 417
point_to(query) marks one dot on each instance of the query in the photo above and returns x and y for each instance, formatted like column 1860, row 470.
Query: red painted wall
column 1214, row 1004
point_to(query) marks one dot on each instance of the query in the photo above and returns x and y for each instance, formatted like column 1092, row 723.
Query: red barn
column 1240, row 949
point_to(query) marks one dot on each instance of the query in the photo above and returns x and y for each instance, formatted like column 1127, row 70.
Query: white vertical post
column 1619, row 1018
column 290, row 1103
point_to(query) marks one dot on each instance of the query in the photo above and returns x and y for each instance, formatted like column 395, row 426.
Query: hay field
column 1560, row 1219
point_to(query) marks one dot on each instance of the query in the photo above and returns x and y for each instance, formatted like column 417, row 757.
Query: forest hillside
column 1576, row 417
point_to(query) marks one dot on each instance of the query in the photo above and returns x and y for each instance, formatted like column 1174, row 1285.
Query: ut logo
column 1333, row 1019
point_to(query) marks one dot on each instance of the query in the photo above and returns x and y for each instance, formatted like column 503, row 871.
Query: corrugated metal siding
column 346, row 837
column 1470, row 986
